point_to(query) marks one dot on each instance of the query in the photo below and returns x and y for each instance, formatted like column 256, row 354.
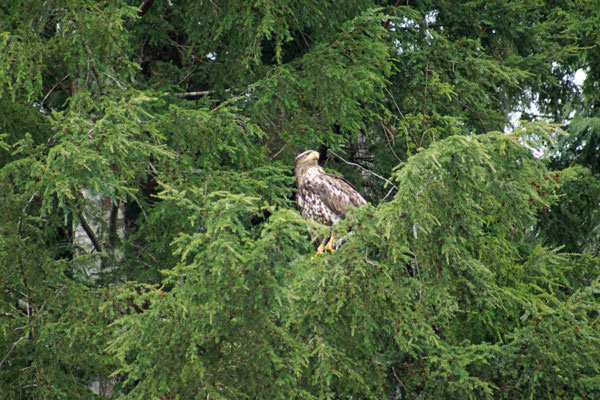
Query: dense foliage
column 149, row 241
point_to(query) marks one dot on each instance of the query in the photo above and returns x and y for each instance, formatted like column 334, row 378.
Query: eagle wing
column 326, row 198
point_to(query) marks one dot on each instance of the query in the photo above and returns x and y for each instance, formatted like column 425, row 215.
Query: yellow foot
column 325, row 247
column 320, row 250
column 329, row 245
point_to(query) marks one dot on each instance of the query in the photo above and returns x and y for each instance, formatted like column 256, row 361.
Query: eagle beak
column 313, row 156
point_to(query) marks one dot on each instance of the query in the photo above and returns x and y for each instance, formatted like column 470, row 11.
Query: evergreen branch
column 242, row 95
column 386, row 24
column 187, row 76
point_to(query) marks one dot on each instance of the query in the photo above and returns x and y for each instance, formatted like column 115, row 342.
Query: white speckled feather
column 324, row 197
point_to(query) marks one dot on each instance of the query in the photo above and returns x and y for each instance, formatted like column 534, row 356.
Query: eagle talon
column 329, row 245
column 320, row 250
column 323, row 247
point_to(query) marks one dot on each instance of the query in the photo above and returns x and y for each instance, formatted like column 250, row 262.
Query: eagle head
column 304, row 161
column 309, row 157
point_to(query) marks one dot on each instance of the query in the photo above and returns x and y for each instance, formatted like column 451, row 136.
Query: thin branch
column 120, row 84
column 187, row 76
column 53, row 88
column 386, row 196
column 387, row 132
column 363, row 168
column 242, row 95
column 402, row 115
column 477, row 114
column 88, row 230
column 20, row 224
column 282, row 148
column 424, row 112
column 11, row 349
column 377, row 267
column 144, row 7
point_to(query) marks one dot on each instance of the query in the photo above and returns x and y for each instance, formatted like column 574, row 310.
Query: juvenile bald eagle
column 323, row 197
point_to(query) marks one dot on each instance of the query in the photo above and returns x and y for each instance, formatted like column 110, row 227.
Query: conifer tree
column 150, row 246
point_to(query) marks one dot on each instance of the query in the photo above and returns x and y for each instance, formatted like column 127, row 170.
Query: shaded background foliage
column 472, row 274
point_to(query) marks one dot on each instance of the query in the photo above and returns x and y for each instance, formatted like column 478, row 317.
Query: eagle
column 323, row 197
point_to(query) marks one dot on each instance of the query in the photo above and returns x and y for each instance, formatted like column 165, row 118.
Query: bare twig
column 408, row 134
column 187, row 76
column 386, row 196
column 387, row 132
column 11, row 349
column 364, row 169
column 281, row 149
column 477, row 114
column 120, row 84
column 53, row 88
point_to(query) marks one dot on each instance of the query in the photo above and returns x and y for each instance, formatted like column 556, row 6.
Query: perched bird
column 323, row 197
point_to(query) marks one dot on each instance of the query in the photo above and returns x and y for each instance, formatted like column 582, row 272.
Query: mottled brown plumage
column 323, row 197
